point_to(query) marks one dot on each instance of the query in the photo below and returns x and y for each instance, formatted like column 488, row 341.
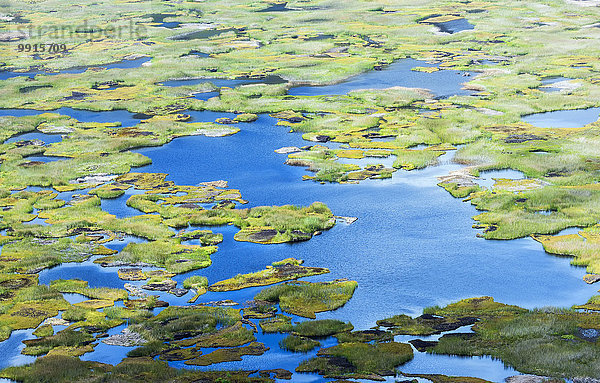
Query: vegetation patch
column 298, row 343
column 305, row 298
column 280, row 323
column 550, row 342
column 64, row 369
column 437, row 378
column 228, row 354
column 170, row 254
column 280, row 271
column 321, row 328
column 358, row 360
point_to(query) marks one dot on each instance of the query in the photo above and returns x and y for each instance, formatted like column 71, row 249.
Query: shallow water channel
column 123, row 64
column 412, row 246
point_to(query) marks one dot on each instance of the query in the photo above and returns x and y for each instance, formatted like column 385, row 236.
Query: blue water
column 455, row 26
column 123, row 64
column 576, row 118
column 10, row 349
column 552, row 80
column 443, row 83
column 118, row 207
column 488, row 178
column 407, row 232
column 105, row 353
column 126, row 118
column 169, row 24
column 206, row 95
column 45, row 158
column 96, row 275
column 47, row 138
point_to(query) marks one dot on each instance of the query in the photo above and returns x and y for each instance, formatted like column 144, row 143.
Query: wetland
column 382, row 192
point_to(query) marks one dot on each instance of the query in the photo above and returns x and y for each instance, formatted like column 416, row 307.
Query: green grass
column 64, row 369
column 305, row 298
column 542, row 342
column 81, row 287
column 285, row 270
column 187, row 320
column 321, row 328
column 65, row 338
column 298, row 344
column 360, row 360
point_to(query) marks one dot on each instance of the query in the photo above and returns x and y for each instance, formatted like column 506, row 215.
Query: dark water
column 577, row 118
column 202, row 34
column 443, row 83
column 319, row 37
column 158, row 20
column 224, row 82
column 198, row 54
column 454, row 26
column 277, row 7
column 123, row 64
column 170, row 25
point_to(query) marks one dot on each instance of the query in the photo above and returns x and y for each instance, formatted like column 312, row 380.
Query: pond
column 487, row 179
column 46, row 138
column 454, row 26
column 202, row 34
column 443, row 83
column 576, row 118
